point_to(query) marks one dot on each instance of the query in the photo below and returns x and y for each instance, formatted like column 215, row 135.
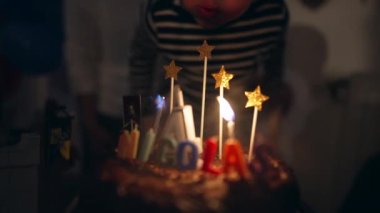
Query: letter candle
column 205, row 54
column 167, row 151
column 233, row 159
column 209, row 155
column 222, row 79
column 171, row 72
column 255, row 99
column 187, row 155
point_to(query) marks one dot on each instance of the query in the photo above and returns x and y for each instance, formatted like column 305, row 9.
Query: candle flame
column 226, row 109
column 160, row 102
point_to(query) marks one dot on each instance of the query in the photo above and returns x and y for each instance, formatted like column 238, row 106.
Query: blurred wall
column 351, row 29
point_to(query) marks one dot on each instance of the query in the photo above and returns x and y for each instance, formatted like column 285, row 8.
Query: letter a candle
column 255, row 99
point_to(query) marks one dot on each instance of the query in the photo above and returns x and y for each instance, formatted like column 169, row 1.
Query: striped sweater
column 250, row 48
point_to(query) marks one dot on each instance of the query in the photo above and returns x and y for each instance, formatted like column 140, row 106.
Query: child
column 248, row 36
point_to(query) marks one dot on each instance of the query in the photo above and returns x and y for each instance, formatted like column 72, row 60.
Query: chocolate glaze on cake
column 132, row 186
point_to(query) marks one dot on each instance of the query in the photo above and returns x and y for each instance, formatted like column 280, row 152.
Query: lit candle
column 205, row 54
column 228, row 114
column 187, row 155
column 171, row 72
column 233, row 159
column 222, row 79
column 150, row 136
column 209, row 155
column 160, row 104
column 255, row 99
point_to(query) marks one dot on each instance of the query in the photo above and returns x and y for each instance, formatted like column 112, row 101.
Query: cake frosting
column 134, row 186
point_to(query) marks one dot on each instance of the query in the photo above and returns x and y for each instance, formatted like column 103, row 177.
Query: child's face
column 214, row 13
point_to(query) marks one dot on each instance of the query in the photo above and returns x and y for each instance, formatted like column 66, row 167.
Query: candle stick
column 160, row 104
column 231, row 127
column 171, row 72
column 150, row 136
column 222, row 79
column 255, row 99
column 205, row 54
column 220, row 124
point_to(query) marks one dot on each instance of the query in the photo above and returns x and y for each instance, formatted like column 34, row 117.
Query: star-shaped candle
column 171, row 72
column 255, row 99
column 222, row 79
column 205, row 54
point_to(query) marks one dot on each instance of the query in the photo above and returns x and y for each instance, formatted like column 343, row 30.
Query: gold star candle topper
column 255, row 98
column 205, row 50
column 222, row 78
column 205, row 53
column 222, row 81
column 172, row 70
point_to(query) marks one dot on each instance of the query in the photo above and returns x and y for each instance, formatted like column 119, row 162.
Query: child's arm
column 143, row 55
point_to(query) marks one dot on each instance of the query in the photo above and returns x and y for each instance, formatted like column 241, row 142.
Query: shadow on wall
column 306, row 52
column 306, row 56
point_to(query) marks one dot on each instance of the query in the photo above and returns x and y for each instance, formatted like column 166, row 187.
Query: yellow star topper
column 222, row 78
column 205, row 50
column 255, row 98
column 172, row 70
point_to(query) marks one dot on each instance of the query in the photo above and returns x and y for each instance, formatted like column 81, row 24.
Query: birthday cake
column 133, row 186
column 169, row 169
